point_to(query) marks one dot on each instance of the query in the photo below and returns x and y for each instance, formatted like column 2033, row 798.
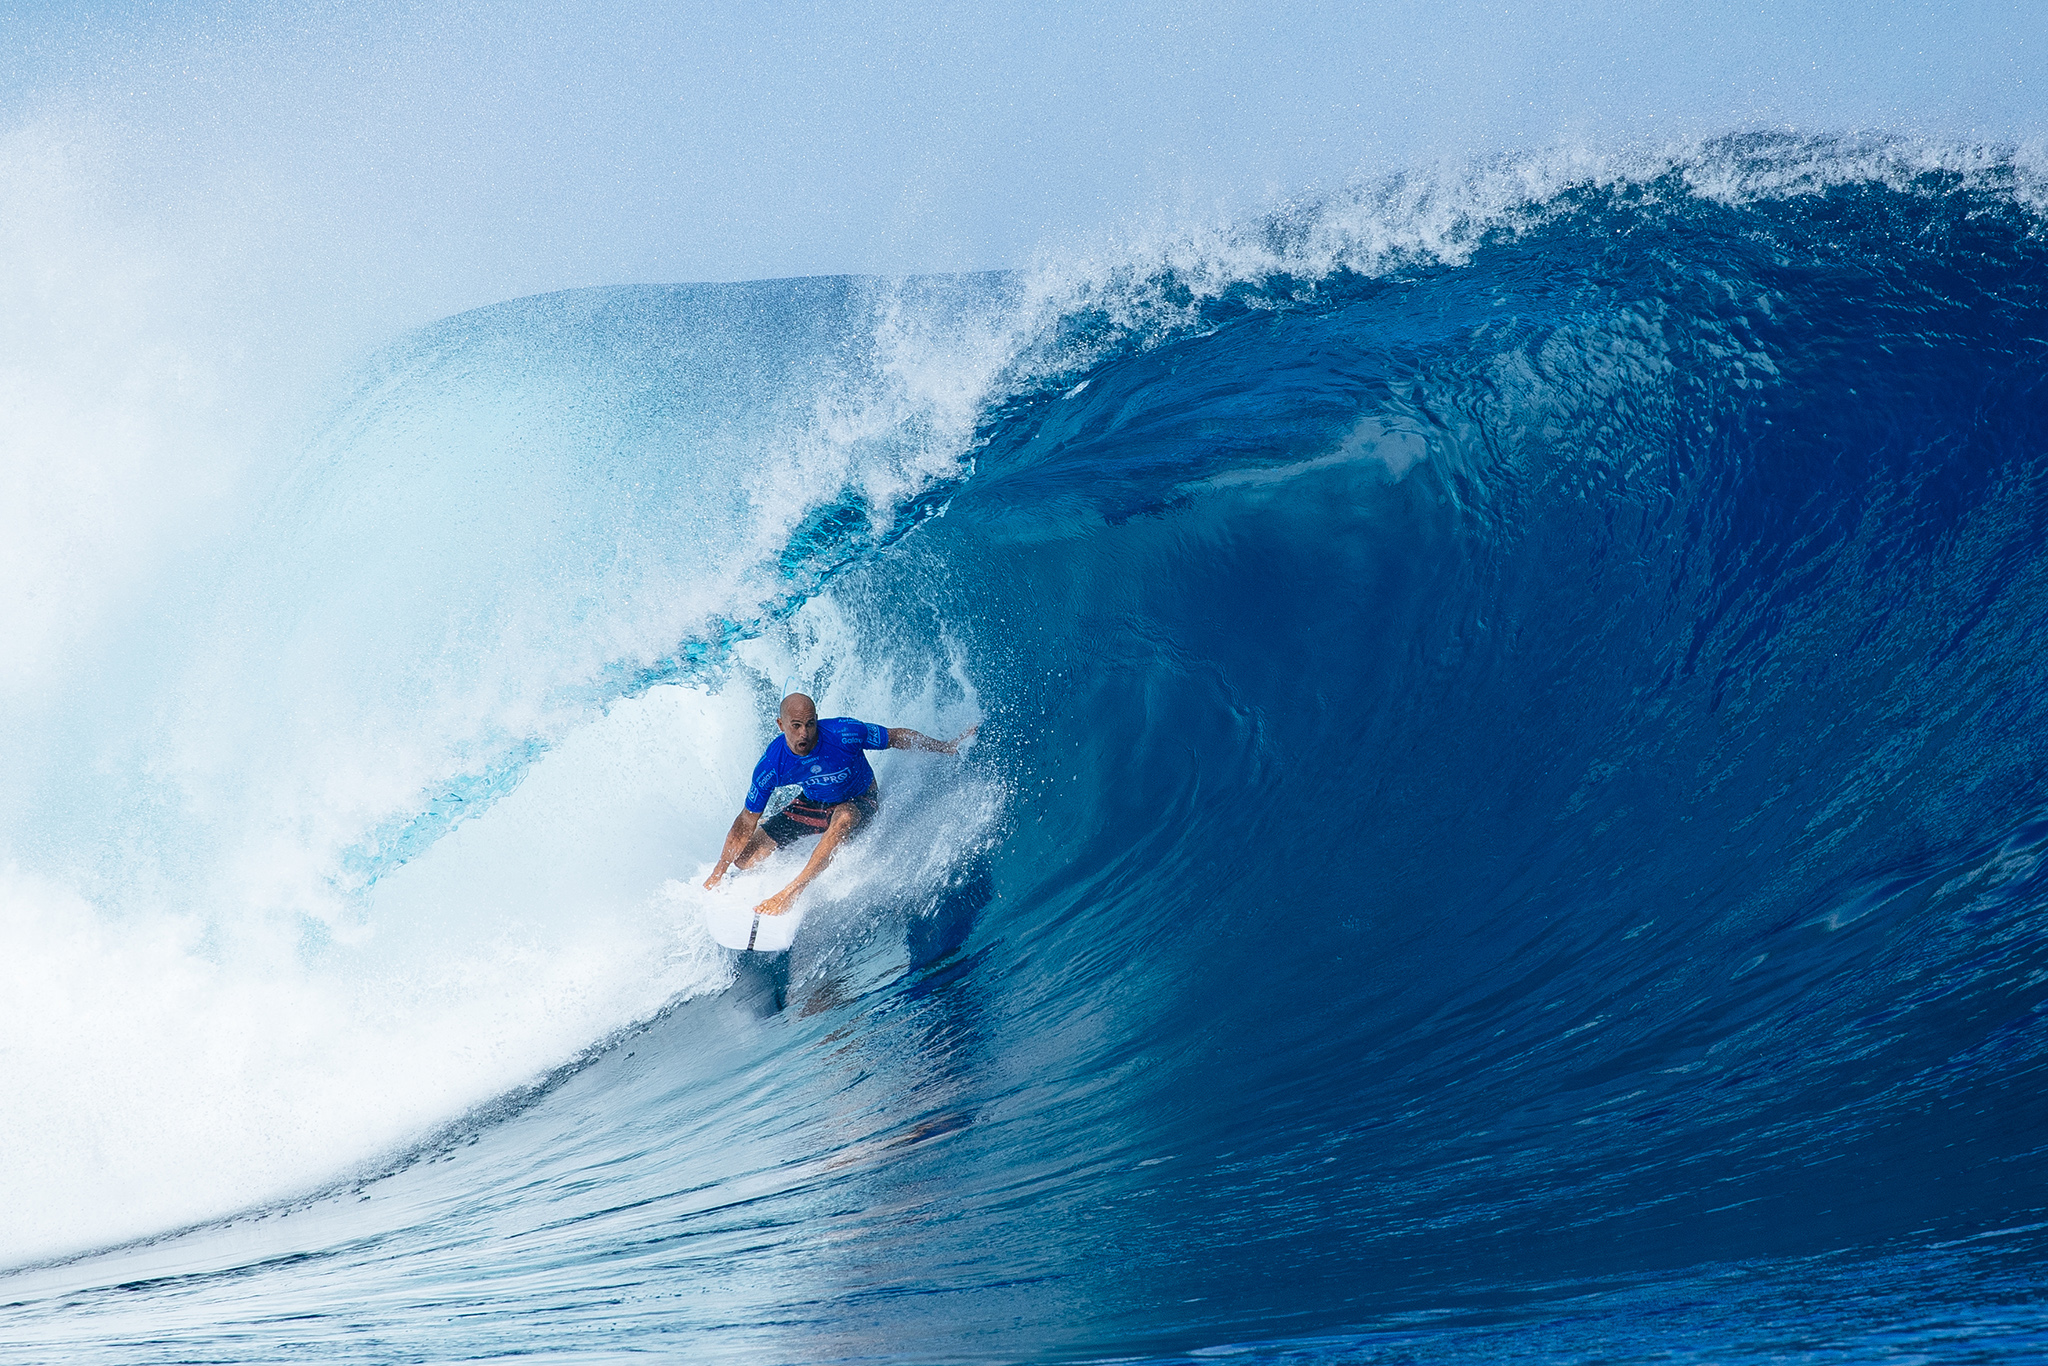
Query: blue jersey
column 834, row 771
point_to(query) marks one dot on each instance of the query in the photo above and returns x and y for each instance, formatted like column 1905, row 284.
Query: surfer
column 839, row 790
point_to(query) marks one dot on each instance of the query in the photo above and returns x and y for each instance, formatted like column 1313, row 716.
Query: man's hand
column 780, row 903
column 953, row 745
column 717, row 876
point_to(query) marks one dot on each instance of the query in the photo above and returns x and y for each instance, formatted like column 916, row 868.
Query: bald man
column 839, row 793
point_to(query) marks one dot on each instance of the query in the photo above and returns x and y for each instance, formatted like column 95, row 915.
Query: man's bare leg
column 843, row 822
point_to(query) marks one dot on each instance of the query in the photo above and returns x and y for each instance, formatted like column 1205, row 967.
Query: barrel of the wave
column 838, row 800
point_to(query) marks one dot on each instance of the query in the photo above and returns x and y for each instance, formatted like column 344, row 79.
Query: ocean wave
column 1509, row 772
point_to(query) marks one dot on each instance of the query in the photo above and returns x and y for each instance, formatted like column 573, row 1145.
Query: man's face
column 799, row 722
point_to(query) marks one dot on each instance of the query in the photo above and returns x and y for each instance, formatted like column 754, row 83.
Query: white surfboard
column 732, row 922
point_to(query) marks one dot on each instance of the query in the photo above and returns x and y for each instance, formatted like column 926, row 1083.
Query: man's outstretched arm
column 736, row 841
column 903, row 737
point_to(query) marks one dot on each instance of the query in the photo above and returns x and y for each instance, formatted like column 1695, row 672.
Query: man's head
column 798, row 722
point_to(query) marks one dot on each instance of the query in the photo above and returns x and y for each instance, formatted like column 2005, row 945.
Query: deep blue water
column 1521, row 835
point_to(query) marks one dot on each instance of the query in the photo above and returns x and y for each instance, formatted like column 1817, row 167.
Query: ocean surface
column 1510, row 819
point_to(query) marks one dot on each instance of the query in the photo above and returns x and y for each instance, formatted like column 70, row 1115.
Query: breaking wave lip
column 1092, row 472
column 1148, row 287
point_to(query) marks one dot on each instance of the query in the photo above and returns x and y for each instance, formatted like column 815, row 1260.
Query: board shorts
column 803, row 817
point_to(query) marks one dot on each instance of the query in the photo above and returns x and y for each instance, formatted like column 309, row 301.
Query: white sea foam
column 166, row 1066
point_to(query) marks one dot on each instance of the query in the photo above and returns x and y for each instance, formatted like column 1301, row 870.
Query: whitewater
column 1510, row 819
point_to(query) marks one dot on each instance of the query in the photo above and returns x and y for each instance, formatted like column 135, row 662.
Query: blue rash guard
column 834, row 771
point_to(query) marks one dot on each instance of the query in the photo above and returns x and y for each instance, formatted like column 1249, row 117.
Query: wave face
column 1511, row 818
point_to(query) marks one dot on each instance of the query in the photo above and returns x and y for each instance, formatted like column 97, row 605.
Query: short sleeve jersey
column 834, row 771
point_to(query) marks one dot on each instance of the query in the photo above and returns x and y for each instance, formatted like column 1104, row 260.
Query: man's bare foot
column 778, row 904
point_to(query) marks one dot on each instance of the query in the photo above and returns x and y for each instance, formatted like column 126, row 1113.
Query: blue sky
column 436, row 156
